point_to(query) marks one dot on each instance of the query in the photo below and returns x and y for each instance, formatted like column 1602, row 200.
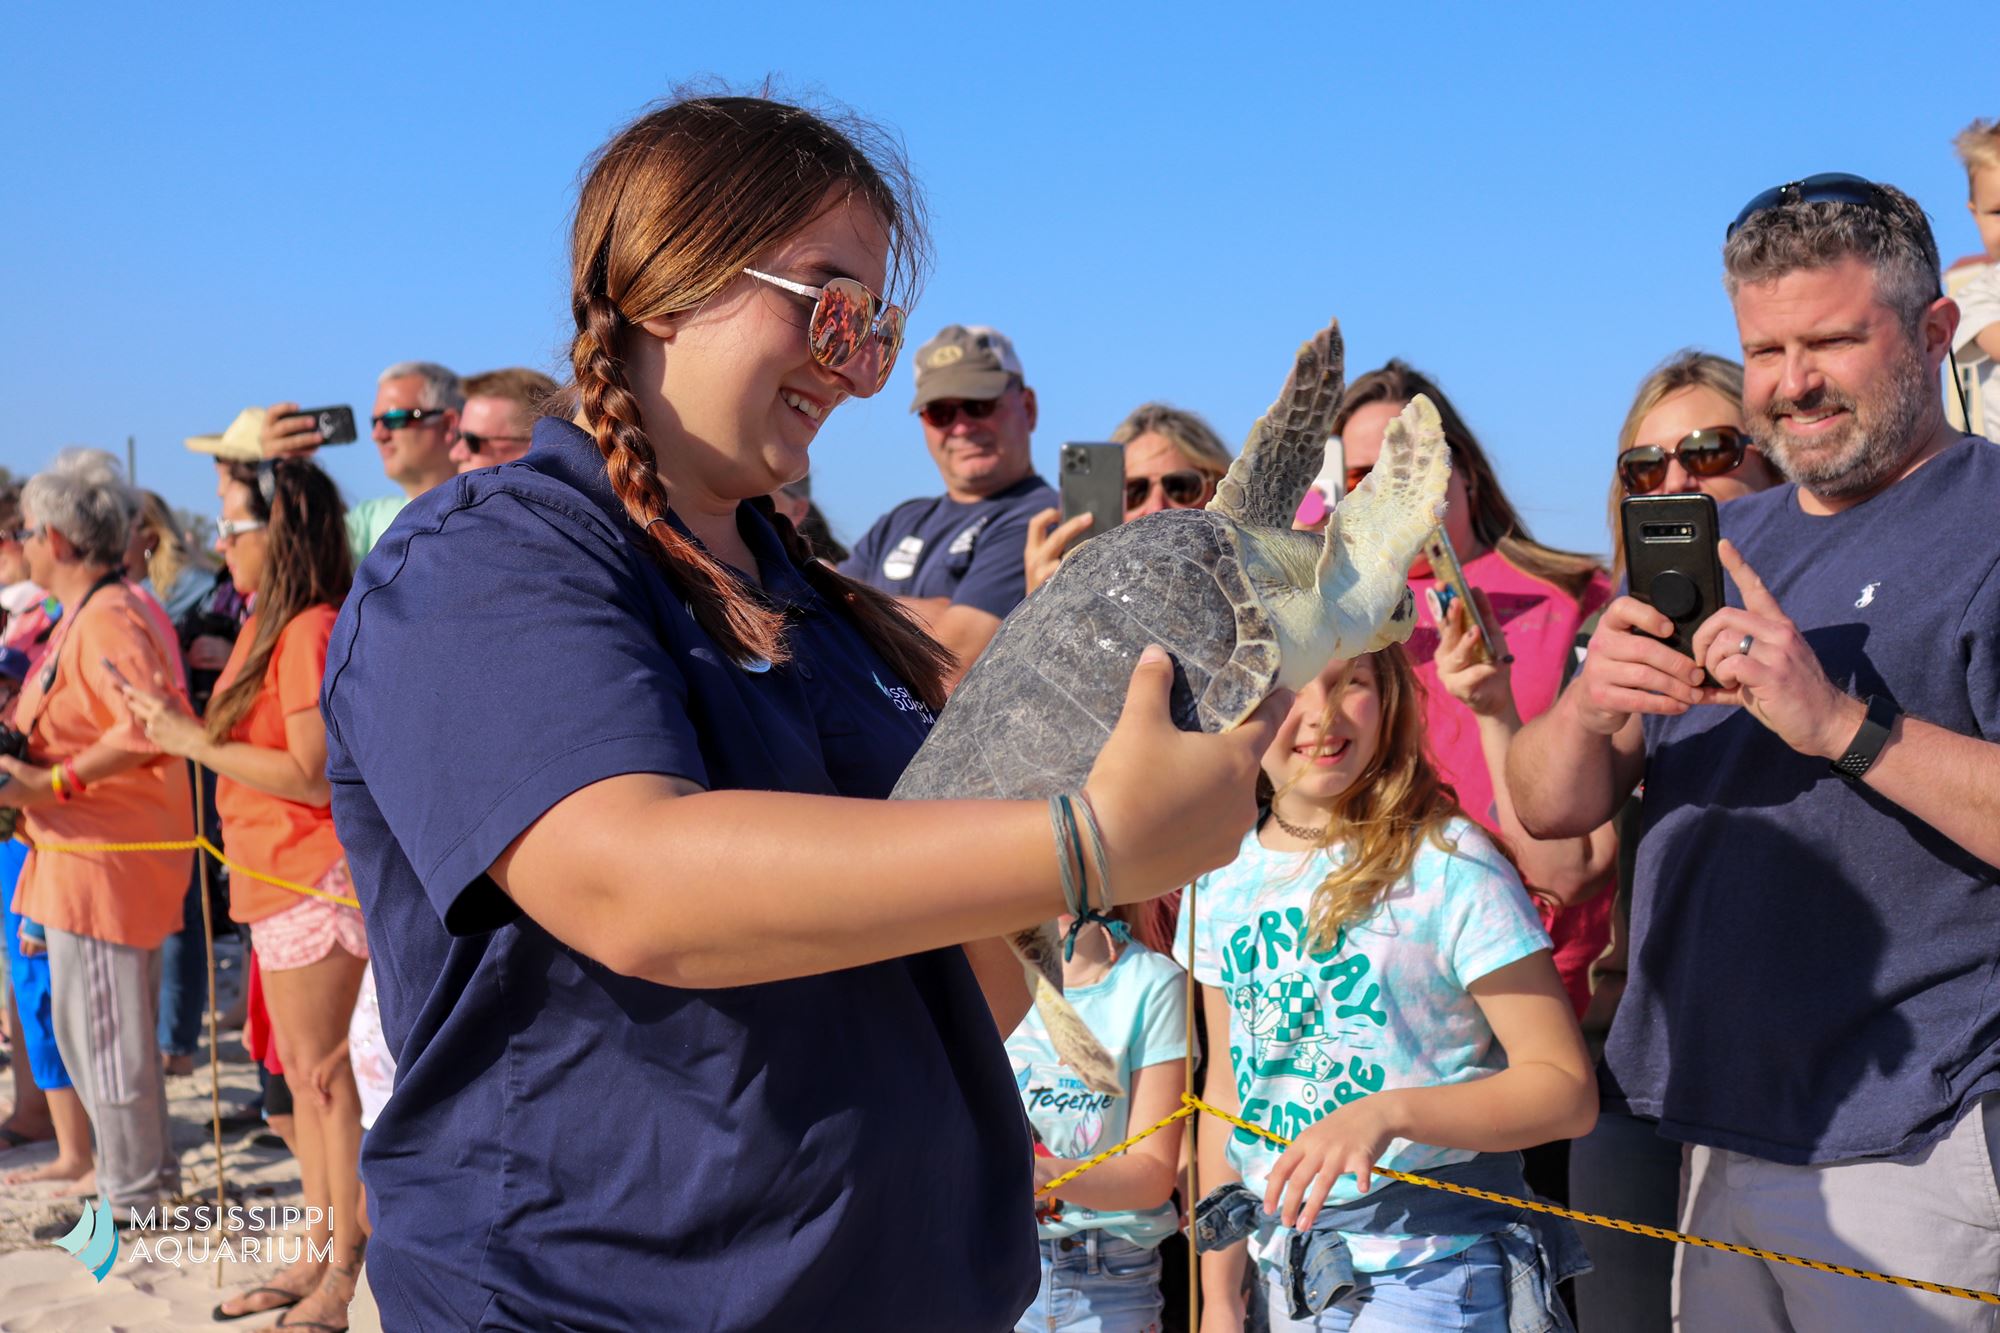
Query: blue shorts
column 30, row 978
column 1093, row 1282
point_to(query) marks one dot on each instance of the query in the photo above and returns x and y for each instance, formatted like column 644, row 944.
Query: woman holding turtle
column 681, row 1009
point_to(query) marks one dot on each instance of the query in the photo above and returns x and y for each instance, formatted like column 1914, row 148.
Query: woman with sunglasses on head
column 284, row 537
column 1684, row 433
column 1173, row 459
column 691, row 1029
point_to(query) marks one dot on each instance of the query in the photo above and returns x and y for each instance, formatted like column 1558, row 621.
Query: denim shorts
column 1093, row 1282
column 1465, row 1293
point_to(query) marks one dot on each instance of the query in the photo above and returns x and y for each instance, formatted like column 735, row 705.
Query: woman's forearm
column 732, row 888
column 273, row 772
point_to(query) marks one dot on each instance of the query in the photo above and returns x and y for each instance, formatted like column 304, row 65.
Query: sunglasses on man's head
column 1827, row 187
column 846, row 317
column 1710, row 452
column 944, row 411
column 1183, row 490
column 398, row 418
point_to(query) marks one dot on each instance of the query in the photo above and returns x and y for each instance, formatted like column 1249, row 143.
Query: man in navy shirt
column 1814, row 995
column 957, row 560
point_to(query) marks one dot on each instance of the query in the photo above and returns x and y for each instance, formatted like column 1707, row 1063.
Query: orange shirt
column 130, row 898
column 266, row 832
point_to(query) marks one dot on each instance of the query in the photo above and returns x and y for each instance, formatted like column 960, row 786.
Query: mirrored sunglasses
column 846, row 319
column 401, row 417
column 1183, row 490
column 941, row 413
column 1710, row 452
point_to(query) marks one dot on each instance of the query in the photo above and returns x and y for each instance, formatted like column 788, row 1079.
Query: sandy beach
column 152, row 1287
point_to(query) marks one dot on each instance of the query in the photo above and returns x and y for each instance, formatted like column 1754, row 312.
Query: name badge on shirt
column 902, row 562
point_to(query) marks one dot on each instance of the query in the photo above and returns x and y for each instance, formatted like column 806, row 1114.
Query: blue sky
column 215, row 206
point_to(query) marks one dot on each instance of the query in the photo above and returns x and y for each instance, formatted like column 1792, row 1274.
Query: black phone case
column 336, row 424
column 1671, row 560
column 1092, row 480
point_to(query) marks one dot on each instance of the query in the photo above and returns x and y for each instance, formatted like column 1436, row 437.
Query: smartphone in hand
column 1672, row 561
column 334, row 424
column 1092, row 481
column 1451, row 589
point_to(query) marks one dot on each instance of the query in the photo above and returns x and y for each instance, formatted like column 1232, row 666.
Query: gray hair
column 83, row 495
column 441, row 387
column 1891, row 235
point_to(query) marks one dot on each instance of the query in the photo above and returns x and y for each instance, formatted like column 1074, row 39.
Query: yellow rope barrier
column 1190, row 1105
column 189, row 845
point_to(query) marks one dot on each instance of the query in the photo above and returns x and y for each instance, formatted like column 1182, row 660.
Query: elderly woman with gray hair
column 90, row 776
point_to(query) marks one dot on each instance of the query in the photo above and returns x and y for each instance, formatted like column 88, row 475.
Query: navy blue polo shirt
column 1814, row 974
column 973, row 552
column 571, row 1148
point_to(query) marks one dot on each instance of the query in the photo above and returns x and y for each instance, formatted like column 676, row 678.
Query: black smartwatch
column 1867, row 744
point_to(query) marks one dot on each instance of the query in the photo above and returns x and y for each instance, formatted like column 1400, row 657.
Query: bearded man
column 1813, row 1004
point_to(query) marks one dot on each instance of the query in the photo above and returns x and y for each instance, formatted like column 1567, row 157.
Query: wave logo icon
column 93, row 1240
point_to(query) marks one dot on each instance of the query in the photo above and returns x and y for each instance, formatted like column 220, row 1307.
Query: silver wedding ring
column 1743, row 648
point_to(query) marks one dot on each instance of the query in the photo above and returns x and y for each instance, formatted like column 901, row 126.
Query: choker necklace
column 1312, row 835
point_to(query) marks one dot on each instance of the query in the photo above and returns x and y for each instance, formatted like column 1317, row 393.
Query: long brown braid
column 671, row 211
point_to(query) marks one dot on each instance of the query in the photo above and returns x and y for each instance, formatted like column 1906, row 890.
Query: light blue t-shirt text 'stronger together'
column 1387, row 1006
column 1139, row 1012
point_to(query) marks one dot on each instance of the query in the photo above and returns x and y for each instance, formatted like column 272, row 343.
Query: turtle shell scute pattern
column 1030, row 716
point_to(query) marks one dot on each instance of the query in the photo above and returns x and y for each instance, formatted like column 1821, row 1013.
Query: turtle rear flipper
column 1080, row 1051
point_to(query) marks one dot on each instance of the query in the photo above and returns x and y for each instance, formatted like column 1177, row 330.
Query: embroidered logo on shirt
column 904, row 700
column 902, row 562
column 1867, row 596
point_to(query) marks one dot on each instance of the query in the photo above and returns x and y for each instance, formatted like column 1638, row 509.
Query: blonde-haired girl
column 1389, row 999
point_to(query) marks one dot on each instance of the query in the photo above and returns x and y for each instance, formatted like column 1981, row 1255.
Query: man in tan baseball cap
column 956, row 560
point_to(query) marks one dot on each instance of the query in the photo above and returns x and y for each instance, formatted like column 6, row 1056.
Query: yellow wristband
column 56, row 783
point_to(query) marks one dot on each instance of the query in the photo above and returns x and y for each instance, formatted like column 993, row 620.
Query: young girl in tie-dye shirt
column 1385, row 990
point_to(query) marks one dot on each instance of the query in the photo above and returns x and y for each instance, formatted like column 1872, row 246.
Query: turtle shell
column 1030, row 716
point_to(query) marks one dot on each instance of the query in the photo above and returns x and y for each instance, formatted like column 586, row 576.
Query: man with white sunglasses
column 955, row 560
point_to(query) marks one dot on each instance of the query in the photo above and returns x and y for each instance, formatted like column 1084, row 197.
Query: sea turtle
column 1242, row 602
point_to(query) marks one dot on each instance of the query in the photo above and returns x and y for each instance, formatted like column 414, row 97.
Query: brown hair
column 529, row 388
column 1495, row 521
column 307, row 564
column 671, row 212
column 1685, row 369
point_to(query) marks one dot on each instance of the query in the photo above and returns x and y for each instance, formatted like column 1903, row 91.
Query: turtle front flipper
column 1074, row 1043
column 1287, row 446
column 1379, row 528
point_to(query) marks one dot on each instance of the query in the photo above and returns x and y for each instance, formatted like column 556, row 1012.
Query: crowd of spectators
column 1762, row 879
